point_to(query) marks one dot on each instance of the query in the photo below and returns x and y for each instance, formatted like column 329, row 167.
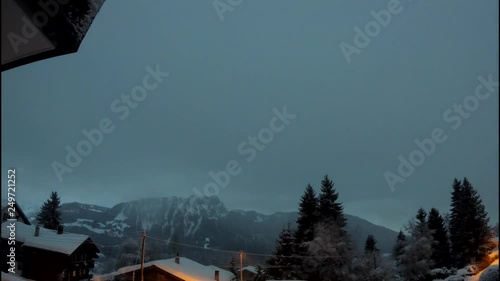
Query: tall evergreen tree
column 308, row 216
column 306, row 223
column 371, row 249
column 331, row 254
column 49, row 215
column 469, row 230
column 371, row 245
column 329, row 208
column 421, row 223
column 282, row 263
column 260, row 275
column 399, row 246
column 441, row 246
column 476, row 224
column 455, row 227
column 330, row 243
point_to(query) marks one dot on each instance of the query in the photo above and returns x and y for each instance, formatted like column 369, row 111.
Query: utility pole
column 142, row 256
column 241, row 265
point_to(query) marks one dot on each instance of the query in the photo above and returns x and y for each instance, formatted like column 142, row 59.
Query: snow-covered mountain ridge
column 192, row 219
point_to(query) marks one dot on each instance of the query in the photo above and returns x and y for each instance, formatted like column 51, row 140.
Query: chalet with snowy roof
column 175, row 269
column 13, row 208
column 45, row 254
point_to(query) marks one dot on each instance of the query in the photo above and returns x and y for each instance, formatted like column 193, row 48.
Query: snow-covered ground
column 462, row 273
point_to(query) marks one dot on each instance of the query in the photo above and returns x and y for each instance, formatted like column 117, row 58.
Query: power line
column 192, row 246
column 232, row 252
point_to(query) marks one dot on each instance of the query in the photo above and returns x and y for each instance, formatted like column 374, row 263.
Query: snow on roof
column 12, row 277
column 493, row 254
column 490, row 274
column 186, row 269
column 48, row 239
column 250, row 268
column 214, row 268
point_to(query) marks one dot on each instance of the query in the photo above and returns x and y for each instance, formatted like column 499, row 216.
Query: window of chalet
column 76, row 257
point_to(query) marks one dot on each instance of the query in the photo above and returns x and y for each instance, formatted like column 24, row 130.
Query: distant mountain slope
column 360, row 229
column 192, row 221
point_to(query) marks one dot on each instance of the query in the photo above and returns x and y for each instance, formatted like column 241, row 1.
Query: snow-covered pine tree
column 329, row 216
column 261, row 274
column 441, row 246
column 329, row 208
column 370, row 266
column 415, row 262
column 49, row 215
column 420, row 227
column 282, row 264
column 331, row 253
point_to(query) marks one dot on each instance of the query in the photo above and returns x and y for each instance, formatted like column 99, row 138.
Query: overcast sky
column 352, row 120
